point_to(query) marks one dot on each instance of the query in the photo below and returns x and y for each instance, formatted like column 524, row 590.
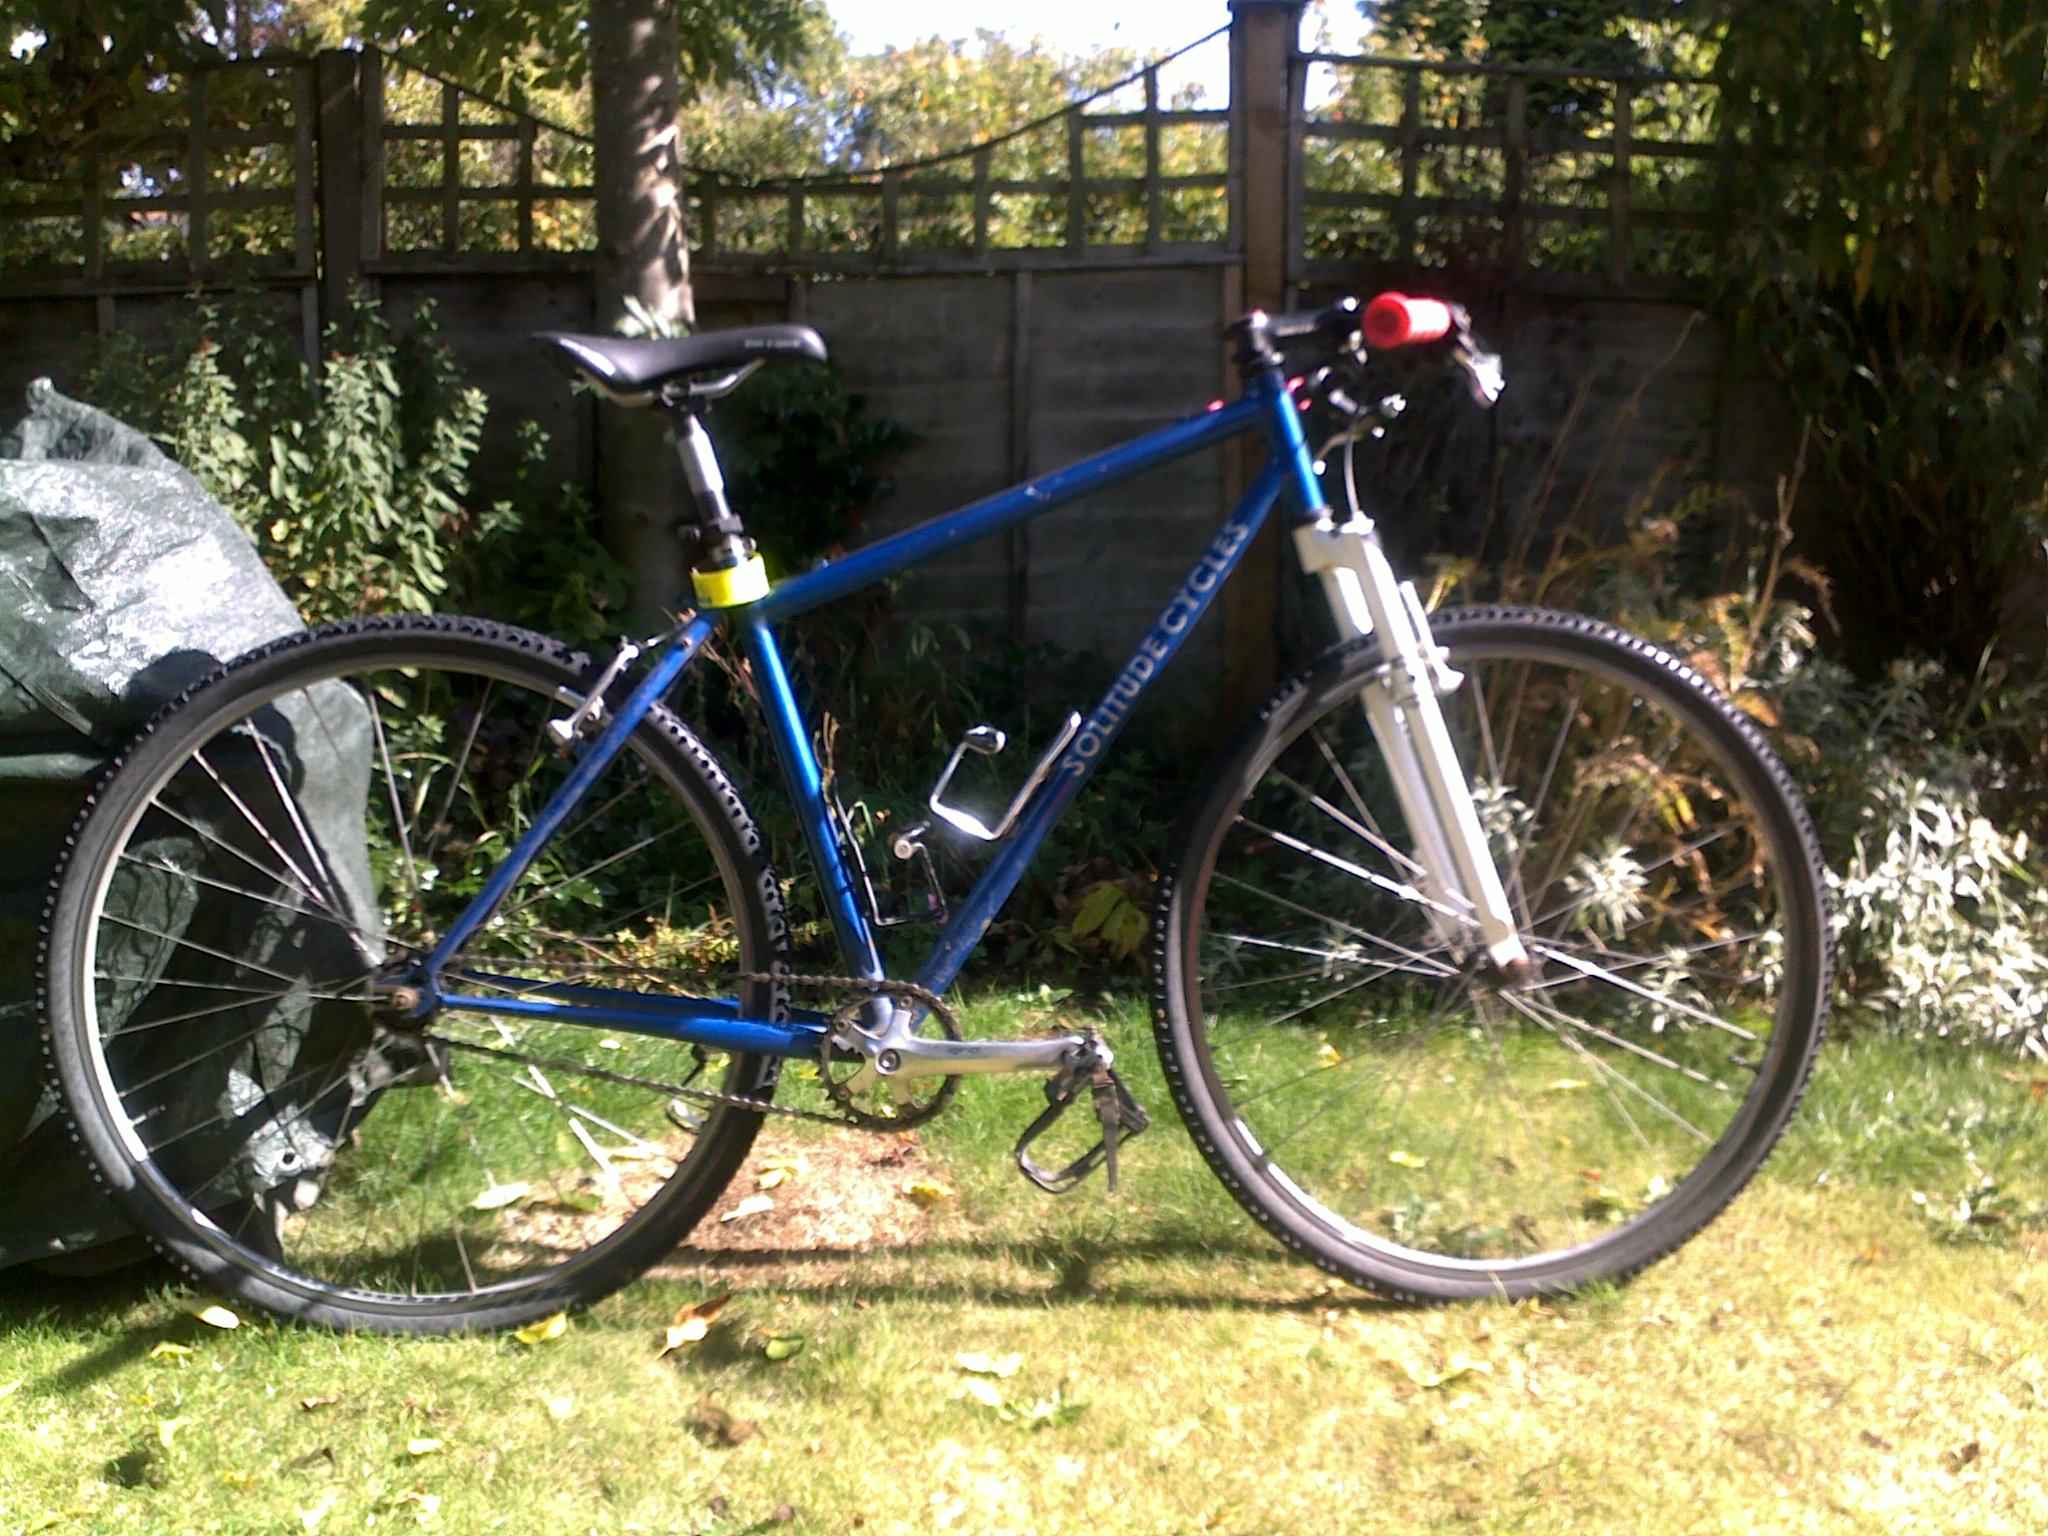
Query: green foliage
column 1889, row 255
column 357, row 493
column 803, row 462
column 352, row 491
column 849, row 115
column 519, row 47
column 1942, row 925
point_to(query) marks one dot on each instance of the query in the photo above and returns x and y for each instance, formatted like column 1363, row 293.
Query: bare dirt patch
column 840, row 1197
column 802, row 1202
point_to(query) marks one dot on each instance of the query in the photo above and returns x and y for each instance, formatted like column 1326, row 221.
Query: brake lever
column 1482, row 369
column 1483, row 372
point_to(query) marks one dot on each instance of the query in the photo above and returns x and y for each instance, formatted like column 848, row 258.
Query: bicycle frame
column 719, row 1023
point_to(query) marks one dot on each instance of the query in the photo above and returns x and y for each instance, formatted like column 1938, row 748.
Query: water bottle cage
column 987, row 741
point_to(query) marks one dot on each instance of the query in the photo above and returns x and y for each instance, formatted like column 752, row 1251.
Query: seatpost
column 701, row 468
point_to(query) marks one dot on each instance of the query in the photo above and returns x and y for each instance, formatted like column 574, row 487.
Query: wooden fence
column 291, row 170
column 1567, row 171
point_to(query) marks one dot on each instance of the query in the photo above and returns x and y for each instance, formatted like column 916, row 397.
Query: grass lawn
column 1860, row 1344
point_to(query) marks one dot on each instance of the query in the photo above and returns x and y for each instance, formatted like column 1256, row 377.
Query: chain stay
column 870, row 987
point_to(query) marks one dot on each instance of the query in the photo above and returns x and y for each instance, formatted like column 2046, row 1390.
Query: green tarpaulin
column 126, row 582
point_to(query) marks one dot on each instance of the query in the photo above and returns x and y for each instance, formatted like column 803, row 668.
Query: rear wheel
column 290, row 833
column 1365, row 1083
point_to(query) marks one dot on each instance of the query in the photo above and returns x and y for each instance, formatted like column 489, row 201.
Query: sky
column 1073, row 26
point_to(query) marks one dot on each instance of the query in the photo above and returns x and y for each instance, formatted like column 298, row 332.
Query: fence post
column 1263, row 85
column 1262, row 45
column 349, row 189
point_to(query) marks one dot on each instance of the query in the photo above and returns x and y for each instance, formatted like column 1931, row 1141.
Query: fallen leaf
column 926, row 1191
column 585, row 1200
column 545, row 1331
column 164, row 1349
column 309, row 1404
column 312, row 1459
column 1873, row 1439
column 715, row 1426
column 167, row 1431
column 781, row 1346
column 983, row 1391
column 1402, row 1159
column 242, row 1480
column 1457, row 1368
column 498, row 1196
column 1567, row 1085
column 425, row 1445
column 777, row 1171
column 422, row 1503
column 978, row 1364
column 214, row 1315
column 1963, row 1455
column 1046, row 1413
column 1326, row 1054
column 692, row 1323
column 753, row 1205
column 311, row 1516
column 560, row 1408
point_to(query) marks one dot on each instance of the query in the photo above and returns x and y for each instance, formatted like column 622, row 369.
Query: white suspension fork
column 1460, row 887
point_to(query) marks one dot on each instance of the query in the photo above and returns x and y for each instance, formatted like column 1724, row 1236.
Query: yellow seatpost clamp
column 733, row 585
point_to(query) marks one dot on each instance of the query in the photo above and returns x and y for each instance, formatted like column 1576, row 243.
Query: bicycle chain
column 910, row 990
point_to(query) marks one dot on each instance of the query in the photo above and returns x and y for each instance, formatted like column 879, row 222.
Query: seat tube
column 806, row 786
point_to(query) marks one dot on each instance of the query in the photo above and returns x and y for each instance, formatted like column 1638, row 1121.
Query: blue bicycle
column 422, row 974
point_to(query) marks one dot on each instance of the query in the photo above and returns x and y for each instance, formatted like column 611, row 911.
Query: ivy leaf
column 782, row 1346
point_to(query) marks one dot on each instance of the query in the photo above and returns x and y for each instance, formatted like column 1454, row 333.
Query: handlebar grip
column 1395, row 320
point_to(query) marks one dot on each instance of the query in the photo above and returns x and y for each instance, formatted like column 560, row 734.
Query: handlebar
column 1390, row 320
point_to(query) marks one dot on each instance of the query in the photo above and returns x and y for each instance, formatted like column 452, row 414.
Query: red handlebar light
column 1395, row 320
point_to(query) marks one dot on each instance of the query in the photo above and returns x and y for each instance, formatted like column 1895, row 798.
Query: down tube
column 1183, row 612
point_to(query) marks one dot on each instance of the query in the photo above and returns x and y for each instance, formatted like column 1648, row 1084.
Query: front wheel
column 1380, row 1097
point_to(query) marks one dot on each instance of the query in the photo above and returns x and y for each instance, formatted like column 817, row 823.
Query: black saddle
column 633, row 370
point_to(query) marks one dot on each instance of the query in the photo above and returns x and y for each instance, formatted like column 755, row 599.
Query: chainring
column 886, row 1103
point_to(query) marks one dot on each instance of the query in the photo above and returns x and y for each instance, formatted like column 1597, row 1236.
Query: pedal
column 1119, row 1114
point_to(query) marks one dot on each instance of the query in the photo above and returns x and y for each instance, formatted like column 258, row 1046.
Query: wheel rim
column 324, row 828
column 1404, row 1100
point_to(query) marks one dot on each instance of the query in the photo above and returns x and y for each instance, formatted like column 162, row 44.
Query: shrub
column 1941, row 924
column 357, row 491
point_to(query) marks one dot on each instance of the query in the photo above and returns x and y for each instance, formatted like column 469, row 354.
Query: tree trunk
column 636, row 90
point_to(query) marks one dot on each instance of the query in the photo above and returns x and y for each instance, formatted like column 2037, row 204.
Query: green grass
column 1830, row 1356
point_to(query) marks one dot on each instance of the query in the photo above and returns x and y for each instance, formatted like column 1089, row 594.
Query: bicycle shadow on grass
column 1064, row 1270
